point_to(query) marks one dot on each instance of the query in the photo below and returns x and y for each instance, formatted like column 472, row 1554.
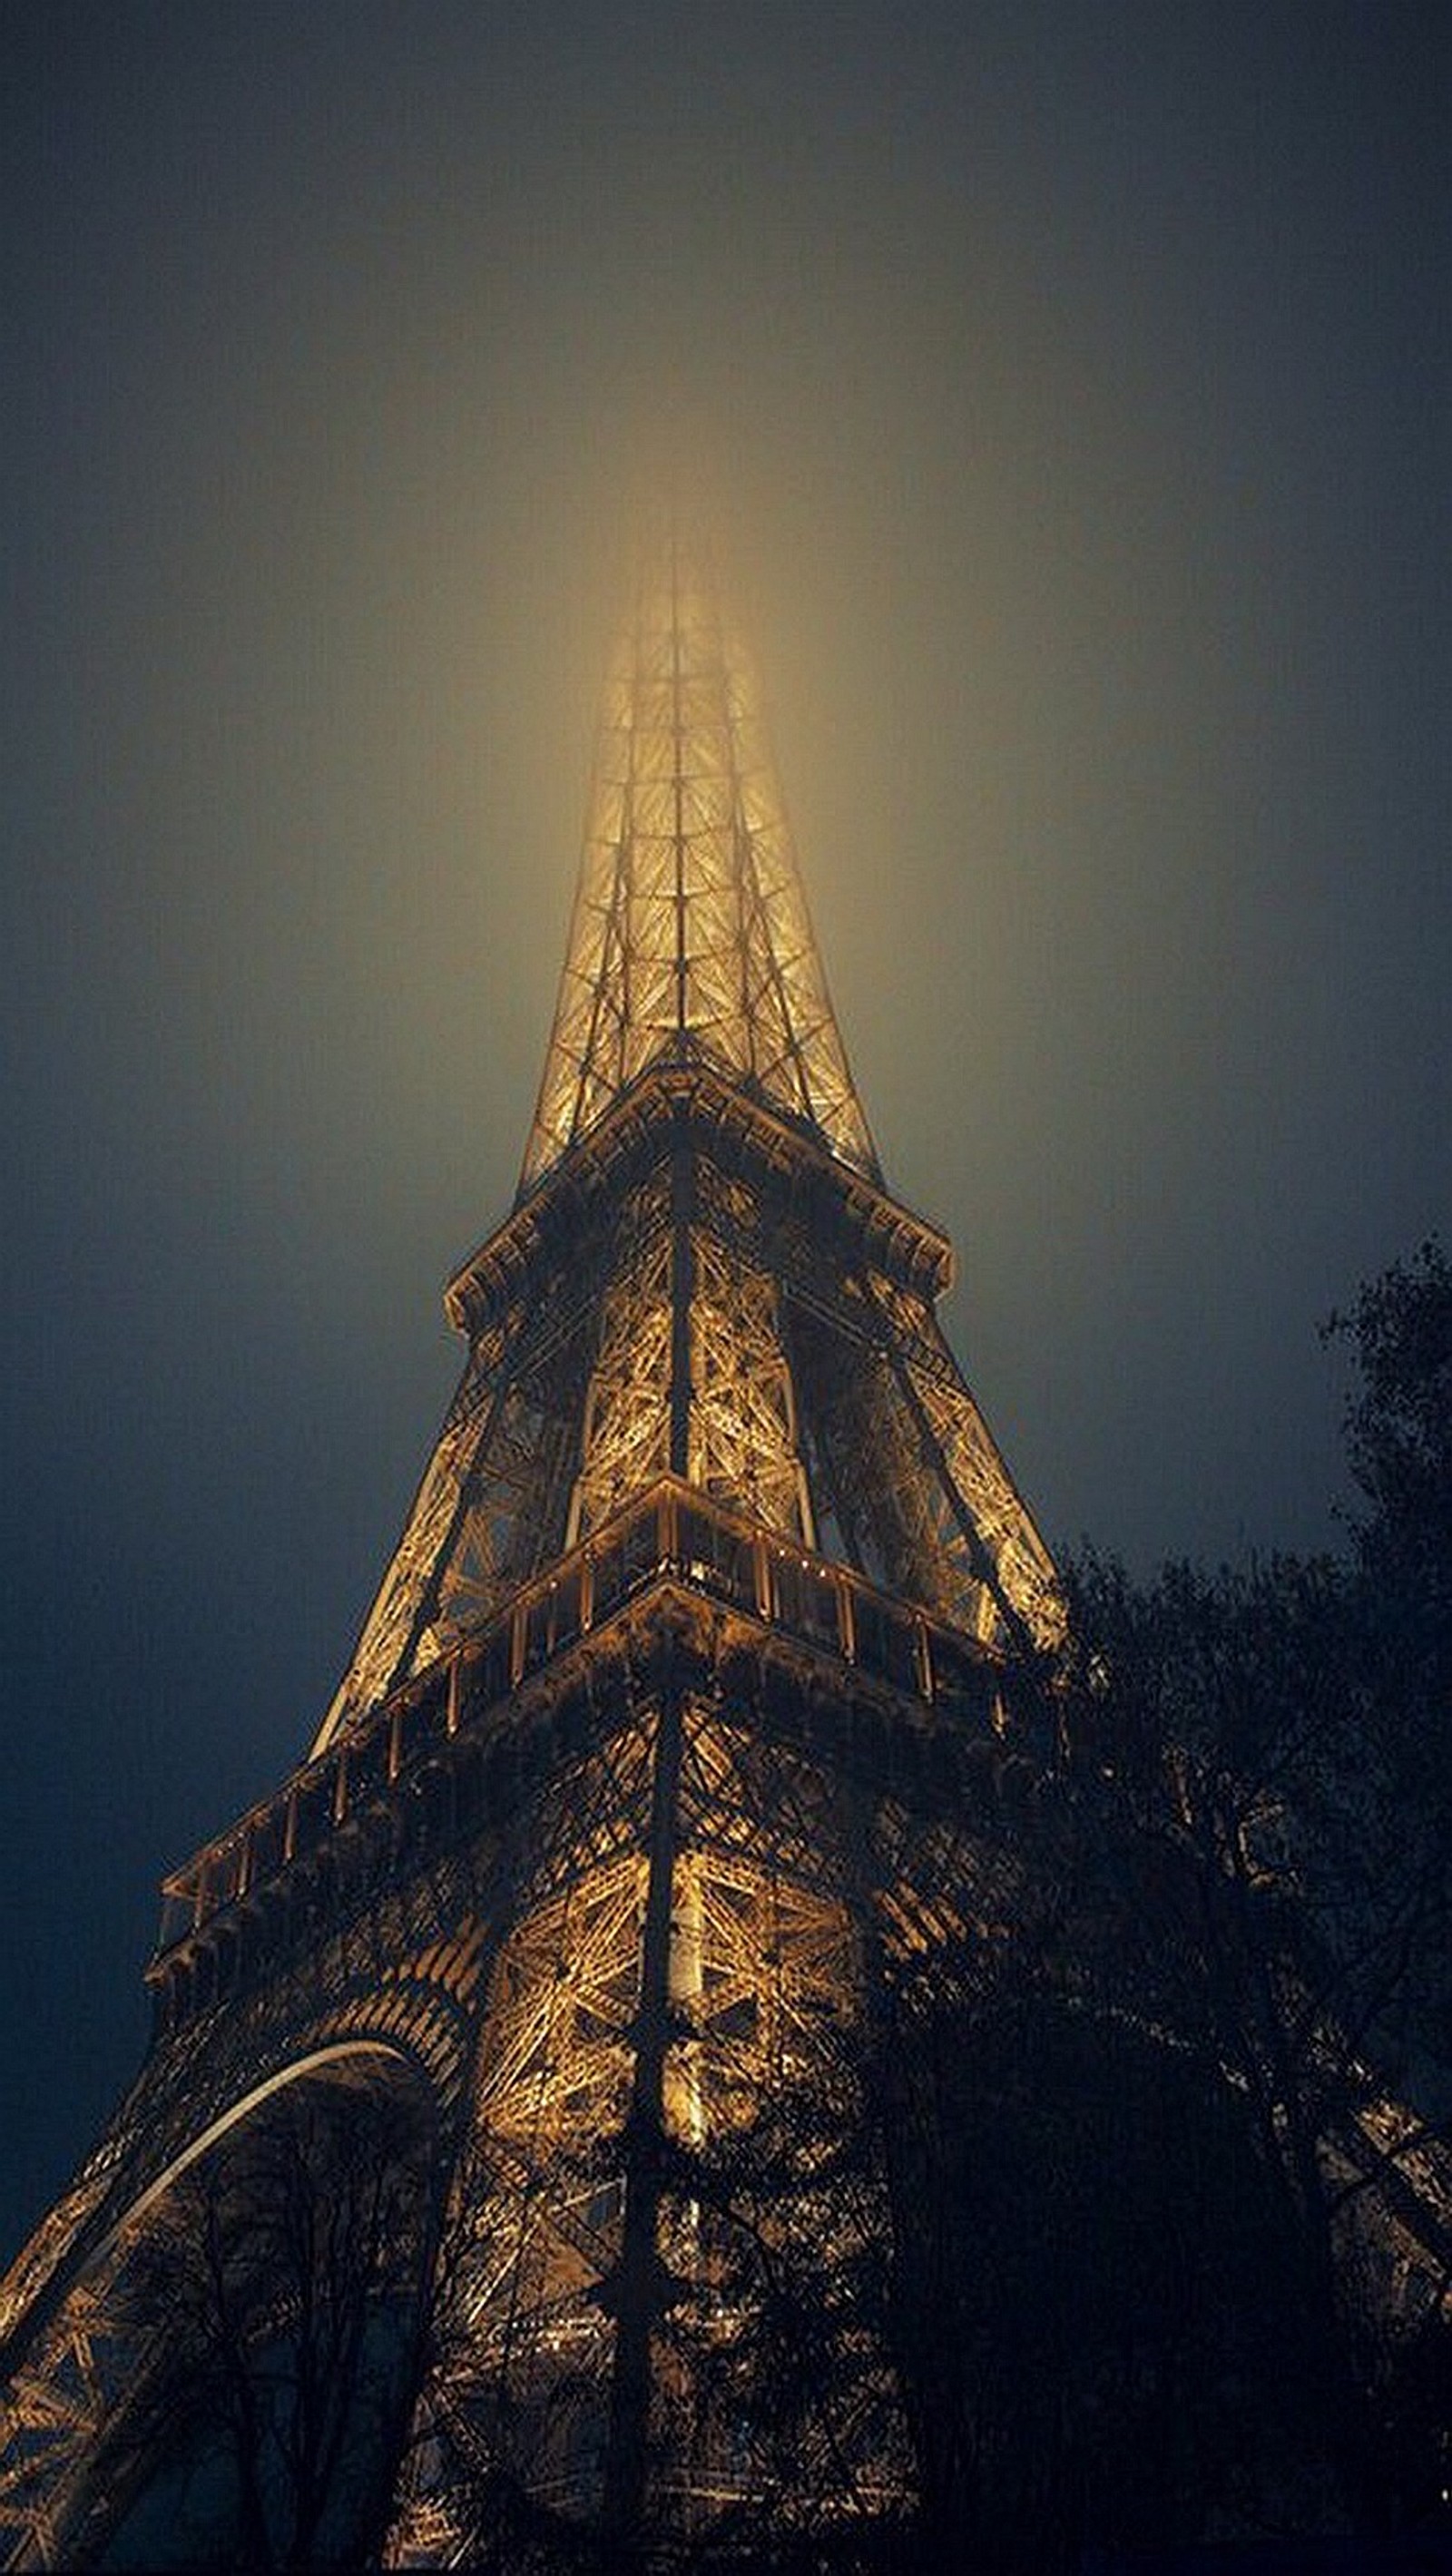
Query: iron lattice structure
column 653, row 1746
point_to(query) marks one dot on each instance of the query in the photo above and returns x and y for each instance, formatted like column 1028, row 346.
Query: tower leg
column 638, row 2283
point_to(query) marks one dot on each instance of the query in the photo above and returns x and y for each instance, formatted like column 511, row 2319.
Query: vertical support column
column 682, row 963
column 639, row 2282
column 682, row 2094
column 683, row 1197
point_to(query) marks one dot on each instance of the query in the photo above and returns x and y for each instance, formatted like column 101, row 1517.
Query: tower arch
column 234, row 2359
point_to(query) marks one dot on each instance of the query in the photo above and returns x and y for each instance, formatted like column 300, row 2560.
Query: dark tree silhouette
column 1259, row 1759
column 1086, row 2258
column 274, row 2304
column 1399, row 1448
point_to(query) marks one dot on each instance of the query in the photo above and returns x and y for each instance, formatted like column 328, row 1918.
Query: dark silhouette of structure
column 649, row 1755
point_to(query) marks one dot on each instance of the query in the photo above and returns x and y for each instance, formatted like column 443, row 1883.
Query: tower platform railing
column 672, row 1532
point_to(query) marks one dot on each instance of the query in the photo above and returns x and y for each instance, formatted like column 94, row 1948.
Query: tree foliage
column 1259, row 1765
column 1081, row 2216
column 1399, row 1448
column 1399, row 1430
column 272, row 2302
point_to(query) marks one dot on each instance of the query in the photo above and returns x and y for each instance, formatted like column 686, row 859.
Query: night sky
column 1073, row 379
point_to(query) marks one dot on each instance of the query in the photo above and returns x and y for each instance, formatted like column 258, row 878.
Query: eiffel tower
column 650, row 1751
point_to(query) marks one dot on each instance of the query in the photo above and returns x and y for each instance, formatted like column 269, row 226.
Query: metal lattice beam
column 691, row 930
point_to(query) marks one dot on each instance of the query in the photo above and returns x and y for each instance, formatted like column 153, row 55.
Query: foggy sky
column 1074, row 382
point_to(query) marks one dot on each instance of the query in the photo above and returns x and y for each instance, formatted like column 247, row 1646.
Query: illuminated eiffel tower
column 650, row 1751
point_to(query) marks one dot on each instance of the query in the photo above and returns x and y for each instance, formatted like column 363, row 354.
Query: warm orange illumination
column 587, row 1838
column 691, row 929
column 692, row 963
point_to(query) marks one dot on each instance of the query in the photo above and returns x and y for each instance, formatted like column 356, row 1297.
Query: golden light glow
column 691, row 929
column 669, row 1341
column 709, row 1447
column 761, row 1976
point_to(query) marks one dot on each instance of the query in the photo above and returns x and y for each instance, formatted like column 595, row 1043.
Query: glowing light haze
column 1073, row 384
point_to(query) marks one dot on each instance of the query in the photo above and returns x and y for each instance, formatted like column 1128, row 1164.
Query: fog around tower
column 1072, row 387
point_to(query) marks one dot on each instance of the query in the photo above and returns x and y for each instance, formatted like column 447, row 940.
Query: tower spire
column 691, row 938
